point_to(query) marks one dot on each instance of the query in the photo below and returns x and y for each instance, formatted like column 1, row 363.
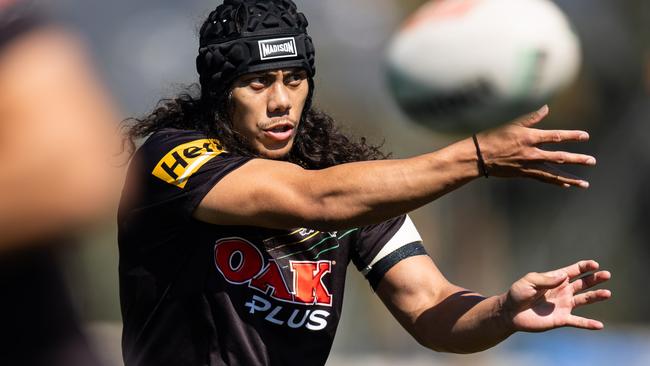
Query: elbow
column 425, row 338
column 432, row 344
column 444, row 341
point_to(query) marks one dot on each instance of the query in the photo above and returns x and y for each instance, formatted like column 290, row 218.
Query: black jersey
column 199, row 294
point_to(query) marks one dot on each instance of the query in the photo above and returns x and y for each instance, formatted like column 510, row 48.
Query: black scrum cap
column 243, row 36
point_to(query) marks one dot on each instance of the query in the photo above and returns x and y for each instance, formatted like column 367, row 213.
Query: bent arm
column 282, row 195
column 445, row 317
column 439, row 315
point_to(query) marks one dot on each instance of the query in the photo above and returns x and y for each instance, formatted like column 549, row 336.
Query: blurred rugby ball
column 468, row 65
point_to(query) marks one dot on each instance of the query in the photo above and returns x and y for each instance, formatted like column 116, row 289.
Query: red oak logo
column 241, row 263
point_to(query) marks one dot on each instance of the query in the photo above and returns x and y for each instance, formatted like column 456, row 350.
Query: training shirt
column 193, row 293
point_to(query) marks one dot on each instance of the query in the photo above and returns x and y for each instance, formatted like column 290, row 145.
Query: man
column 245, row 206
column 57, row 128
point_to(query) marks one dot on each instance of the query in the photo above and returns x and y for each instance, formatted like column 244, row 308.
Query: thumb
column 533, row 118
column 546, row 280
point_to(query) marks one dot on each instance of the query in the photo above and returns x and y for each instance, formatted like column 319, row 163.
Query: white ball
column 468, row 65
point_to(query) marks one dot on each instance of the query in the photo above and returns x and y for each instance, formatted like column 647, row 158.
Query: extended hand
column 543, row 301
column 512, row 151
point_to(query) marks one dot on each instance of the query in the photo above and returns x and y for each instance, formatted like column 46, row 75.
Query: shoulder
column 173, row 156
column 173, row 143
column 168, row 137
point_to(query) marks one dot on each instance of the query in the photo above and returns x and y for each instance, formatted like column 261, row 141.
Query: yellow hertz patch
column 184, row 160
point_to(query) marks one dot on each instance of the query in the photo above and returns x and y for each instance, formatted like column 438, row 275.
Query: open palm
column 543, row 301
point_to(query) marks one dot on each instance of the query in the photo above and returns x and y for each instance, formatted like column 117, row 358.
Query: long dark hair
column 319, row 142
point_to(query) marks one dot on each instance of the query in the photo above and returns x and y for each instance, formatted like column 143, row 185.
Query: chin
column 273, row 153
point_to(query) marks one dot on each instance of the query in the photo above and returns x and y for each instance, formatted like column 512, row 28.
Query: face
column 266, row 109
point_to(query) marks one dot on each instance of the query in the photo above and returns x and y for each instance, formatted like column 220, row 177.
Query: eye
column 256, row 82
column 295, row 79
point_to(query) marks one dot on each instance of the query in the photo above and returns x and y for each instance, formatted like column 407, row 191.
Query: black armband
column 380, row 268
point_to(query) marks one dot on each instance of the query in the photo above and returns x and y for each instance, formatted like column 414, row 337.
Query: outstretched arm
column 282, row 195
column 445, row 317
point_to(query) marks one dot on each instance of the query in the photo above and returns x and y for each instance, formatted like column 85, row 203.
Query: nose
column 279, row 101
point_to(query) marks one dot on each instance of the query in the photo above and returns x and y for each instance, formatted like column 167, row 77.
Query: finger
column 590, row 280
column 561, row 174
column 581, row 267
column 557, row 180
column 591, row 297
column 557, row 136
column 546, row 280
column 552, row 180
column 548, row 174
column 584, row 323
column 532, row 118
column 565, row 157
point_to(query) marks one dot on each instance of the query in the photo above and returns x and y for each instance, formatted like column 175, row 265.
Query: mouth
column 279, row 131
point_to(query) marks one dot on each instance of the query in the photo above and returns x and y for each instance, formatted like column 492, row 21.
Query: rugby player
column 246, row 204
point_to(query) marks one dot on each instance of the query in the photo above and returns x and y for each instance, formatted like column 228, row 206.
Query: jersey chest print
column 289, row 287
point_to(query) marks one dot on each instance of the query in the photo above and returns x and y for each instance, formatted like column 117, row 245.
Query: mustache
column 275, row 122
